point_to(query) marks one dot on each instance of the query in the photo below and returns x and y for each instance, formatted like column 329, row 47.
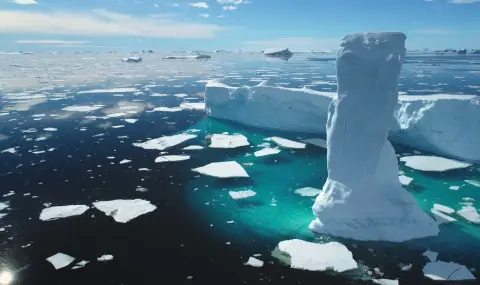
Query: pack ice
column 362, row 164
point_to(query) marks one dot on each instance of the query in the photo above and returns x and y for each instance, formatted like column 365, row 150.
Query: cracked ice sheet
column 165, row 142
column 60, row 212
column 228, row 141
column 123, row 211
column 433, row 163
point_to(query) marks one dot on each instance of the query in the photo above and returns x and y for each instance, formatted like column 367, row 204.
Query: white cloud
column 203, row 5
column 25, row 2
column 463, row 1
column 102, row 23
column 50, row 42
column 433, row 31
column 155, row 5
column 204, row 15
column 230, row 8
column 297, row 44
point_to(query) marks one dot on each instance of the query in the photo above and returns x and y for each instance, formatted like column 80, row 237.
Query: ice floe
column 308, row 191
column 105, row 258
column 433, row 163
column 385, row 281
column 441, row 270
column 60, row 212
column 287, row 143
column 50, row 129
column 473, row 182
column 80, row 264
column 165, row 142
column 443, row 209
column 167, row 109
column 81, row 108
column 124, row 161
column 131, row 121
column 60, row 260
column 442, row 218
column 172, row 158
column 193, row 106
column 228, row 141
column 227, row 169
column 252, row 261
column 266, row 151
column 112, row 90
column 236, row 195
column 405, row 180
column 193, row 147
column 431, row 255
column 470, row 214
column 318, row 257
column 123, row 211
column 11, row 150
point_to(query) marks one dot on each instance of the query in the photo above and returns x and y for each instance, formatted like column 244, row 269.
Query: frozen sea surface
column 196, row 229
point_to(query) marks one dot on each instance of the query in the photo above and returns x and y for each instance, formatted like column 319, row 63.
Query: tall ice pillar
column 362, row 198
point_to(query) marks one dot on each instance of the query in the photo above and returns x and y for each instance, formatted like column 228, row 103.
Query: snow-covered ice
column 193, row 147
column 405, row 180
column 433, row 163
column 50, row 129
column 60, row 212
column 266, row 151
column 228, row 141
column 287, row 143
column 193, row 106
column 227, row 169
column 318, row 257
column 441, row 270
column 236, row 195
column 165, row 142
column 308, row 191
column 442, row 218
column 172, row 158
column 60, row 260
column 443, row 209
column 252, row 261
column 361, row 162
column 470, row 214
column 105, row 258
column 123, row 211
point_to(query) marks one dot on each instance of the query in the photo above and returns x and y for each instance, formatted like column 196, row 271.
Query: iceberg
column 123, row 211
column 132, row 59
column 194, row 56
column 278, row 53
column 362, row 164
column 227, row 169
column 60, row 212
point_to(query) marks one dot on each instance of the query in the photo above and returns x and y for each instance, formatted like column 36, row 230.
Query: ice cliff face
column 362, row 198
column 444, row 124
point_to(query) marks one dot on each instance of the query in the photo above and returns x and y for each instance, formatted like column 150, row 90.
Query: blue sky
column 165, row 25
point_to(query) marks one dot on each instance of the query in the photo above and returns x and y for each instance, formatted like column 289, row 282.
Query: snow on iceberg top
column 373, row 44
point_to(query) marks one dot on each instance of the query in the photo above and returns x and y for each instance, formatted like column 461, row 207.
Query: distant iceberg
column 194, row 56
column 132, row 59
column 279, row 53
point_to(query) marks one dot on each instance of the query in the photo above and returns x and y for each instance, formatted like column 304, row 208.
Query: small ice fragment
column 308, row 191
column 125, row 161
column 236, row 195
column 407, row 267
column 60, row 260
column 115, row 115
column 433, row 163
column 9, row 150
column 80, row 264
column 225, row 169
column 431, row 255
column 171, row 158
column 440, row 270
column 288, row 143
column 266, row 151
column 123, row 211
column 38, row 152
column 167, row 109
column 50, row 129
column 442, row 218
column 405, row 180
column 228, row 141
column 3, row 206
column 60, row 212
column 141, row 189
column 193, row 106
column 118, row 126
column 443, row 209
column 131, row 121
column 252, row 261
column 454, row 188
column 105, row 258
column 316, row 142
column 470, row 214
column 165, row 142
column 193, row 147
column 81, row 108
column 473, row 182
column 110, row 157
column 144, row 169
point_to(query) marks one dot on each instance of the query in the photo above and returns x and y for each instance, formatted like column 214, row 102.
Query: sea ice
column 112, row 90
column 50, row 129
column 60, row 260
column 316, row 142
column 318, row 257
column 171, row 158
column 116, row 115
column 287, row 143
column 132, row 59
column 228, row 141
column 165, row 142
column 123, row 211
column 9, row 150
column 252, row 261
column 470, row 214
column 385, row 281
column 125, row 161
column 473, row 182
column 167, row 109
column 81, row 108
column 442, row 218
column 193, row 106
column 60, row 212
column 443, row 209
column 80, row 264
column 105, row 258
column 440, row 270
column 361, row 162
column 266, row 151
column 433, row 163
column 308, row 191
column 454, row 188
column 227, row 169
column 3, row 206
column 193, row 147
column 431, row 255
column 405, row 180
column 131, row 121
column 236, row 195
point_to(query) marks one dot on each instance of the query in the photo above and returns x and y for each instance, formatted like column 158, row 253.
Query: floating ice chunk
column 81, row 108
column 443, row 209
column 405, row 180
column 407, row 267
column 180, row 95
column 252, row 261
column 473, row 182
column 60, row 260
column 470, row 214
column 123, row 211
column 144, row 169
column 38, row 152
column 308, row 191
column 193, row 147
column 454, row 188
column 118, row 126
column 236, row 195
column 266, row 151
column 433, row 163
column 228, row 141
column 318, row 257
column 112, row 90
column 287, row 143
column 316, row 142
column 193, row 106
column 116, row 115
column 225, row 169
column 172, row 158
column 11, row 150
column 131, row 121
column 125, row 161
column 167, row 109
column 440, row 270
column 50, row 129
column 441, row 218
column 195, row 56
column 3, row 206
column 80, row 264
column 105, row 258
column 431, row 255
column 165, row 142
column 385, row 281
column 60, row 212
column 132, row 59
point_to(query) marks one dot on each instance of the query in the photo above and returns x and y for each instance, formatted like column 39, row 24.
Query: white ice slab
column 266, row 151
column 165, row 142
column 11, row 150
column 80, row 264
column 443, row 209
column 252, row 261
column 308, row 191
column 316, row 142
column 405, row 180
column 227, row 169
column 228, row 141
column 81, row 108
column 50, row 129
column 236, row 195
column 167, row 109
column 124, row 161
column 473, row 182
column 454, row 188
column 171, row 158
column 318, row 257
column 433, row 163
column 440, row 270
column 105, row 258
column 60, row 212
column 193, row 147
column 470, row 214
column 442, row 218
column 193, row 106
column 288, row 143
column 123, row 211
column 131, row 121
column 60, row 260
column 3, row 206
column 431, row 255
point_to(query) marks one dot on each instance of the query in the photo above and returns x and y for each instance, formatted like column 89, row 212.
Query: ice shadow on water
column 232, row 183
column 246, row 203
